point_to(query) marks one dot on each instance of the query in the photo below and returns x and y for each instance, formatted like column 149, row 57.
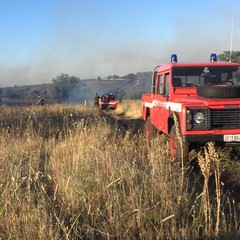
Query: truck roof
column 168, row 66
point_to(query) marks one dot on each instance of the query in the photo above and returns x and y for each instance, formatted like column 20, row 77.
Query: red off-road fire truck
column 107, row 101
column 202, row 100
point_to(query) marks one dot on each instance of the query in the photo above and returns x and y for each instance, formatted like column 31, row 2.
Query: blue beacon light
column 213, row 57
column 174, row 58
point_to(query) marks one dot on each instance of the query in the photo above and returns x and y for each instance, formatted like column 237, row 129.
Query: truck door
column 159, row 112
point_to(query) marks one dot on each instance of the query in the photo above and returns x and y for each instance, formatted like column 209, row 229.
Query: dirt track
column 127, row 123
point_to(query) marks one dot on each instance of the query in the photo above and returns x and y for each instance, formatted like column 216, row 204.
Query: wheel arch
column 171, row 121
column 146, row 113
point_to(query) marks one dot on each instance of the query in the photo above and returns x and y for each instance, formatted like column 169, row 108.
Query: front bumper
column 208, row 138
column 107, row 105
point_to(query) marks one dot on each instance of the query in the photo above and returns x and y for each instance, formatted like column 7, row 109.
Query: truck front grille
column 217, row 119
column 225, row 118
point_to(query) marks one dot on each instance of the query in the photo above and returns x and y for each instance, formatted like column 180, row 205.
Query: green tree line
column 229, row 56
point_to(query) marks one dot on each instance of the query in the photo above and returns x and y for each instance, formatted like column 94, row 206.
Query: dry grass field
column 74, row 172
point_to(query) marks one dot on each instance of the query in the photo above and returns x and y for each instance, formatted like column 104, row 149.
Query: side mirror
column 162, row 89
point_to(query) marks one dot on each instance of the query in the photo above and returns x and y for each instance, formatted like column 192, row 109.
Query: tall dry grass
column 130, row 108
column 209, row 164
column 68, row 174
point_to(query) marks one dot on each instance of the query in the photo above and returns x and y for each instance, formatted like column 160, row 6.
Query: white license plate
column 231, row 138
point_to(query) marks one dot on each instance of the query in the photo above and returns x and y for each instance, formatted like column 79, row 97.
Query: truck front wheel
column 177, row 150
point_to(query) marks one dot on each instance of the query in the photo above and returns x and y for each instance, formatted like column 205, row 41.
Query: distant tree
column 99, row 78
column 64, row 85
column 112, row 77
column 65, row 80
column 109, row 77
column 225, row 56
column 130, row 76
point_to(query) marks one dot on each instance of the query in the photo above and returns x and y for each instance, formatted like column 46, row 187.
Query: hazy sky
column 40, row 39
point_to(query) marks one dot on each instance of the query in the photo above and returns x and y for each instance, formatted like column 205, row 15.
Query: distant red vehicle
column 107, row 101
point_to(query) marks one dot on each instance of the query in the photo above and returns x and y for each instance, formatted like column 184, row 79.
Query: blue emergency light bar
column 213, row 57
column 174, row 58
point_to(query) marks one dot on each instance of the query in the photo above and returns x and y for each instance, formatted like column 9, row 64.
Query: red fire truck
column 194, row 103
column 107, row 101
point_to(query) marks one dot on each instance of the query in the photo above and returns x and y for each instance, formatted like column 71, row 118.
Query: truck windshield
column 209, row 75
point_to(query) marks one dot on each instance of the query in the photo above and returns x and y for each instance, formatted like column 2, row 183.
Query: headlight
column 198, row 117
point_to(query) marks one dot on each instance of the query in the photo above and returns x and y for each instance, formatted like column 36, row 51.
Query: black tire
column 218, row 91
column 176, row 150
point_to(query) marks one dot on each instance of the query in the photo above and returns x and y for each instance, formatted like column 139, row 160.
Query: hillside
column 129, row 86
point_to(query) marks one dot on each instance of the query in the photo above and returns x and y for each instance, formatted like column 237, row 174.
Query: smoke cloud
column 76, row 47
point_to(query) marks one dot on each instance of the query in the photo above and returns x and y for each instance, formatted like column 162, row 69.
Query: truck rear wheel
column 176, row 150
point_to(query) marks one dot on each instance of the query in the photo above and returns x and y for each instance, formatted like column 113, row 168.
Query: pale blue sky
column 41, row 39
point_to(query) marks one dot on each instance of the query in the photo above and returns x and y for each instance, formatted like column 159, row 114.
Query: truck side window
column 167, row 84
column 154, row 82
column 236, row 77
column 160, row 81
